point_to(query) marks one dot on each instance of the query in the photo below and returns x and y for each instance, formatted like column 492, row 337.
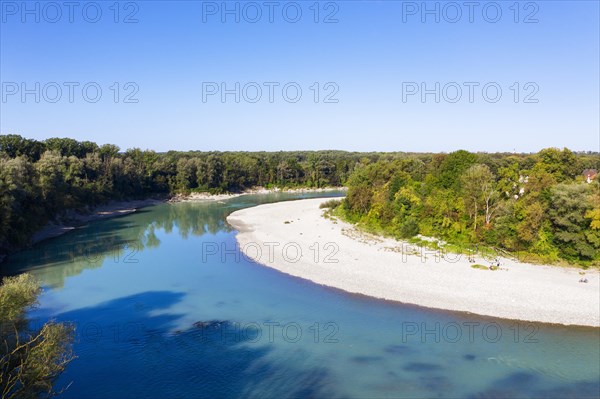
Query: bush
column 409, row 228
column 30, row 360
column 331, row 204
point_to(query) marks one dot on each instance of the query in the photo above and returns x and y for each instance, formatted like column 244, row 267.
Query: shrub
column 30, row 360
column 331, row 204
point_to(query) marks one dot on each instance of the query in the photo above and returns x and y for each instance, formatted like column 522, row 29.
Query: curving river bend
column 165, row 308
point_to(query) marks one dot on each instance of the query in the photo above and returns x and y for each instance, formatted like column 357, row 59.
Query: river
column 164, row 307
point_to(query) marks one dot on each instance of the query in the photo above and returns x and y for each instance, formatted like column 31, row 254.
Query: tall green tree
column 453, row 166
column 570, row 204
column 479, row 192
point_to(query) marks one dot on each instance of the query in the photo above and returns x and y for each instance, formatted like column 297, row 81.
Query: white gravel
column 293, row 237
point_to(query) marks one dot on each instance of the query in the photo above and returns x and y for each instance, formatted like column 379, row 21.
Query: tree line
column 539, row 205
column 40, row 180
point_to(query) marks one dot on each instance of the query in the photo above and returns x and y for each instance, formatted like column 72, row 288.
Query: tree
column 593, row 216
column 19, row 202
column 570, row 204
column 186, row 174
column 14, row 146
column 214, row 171
column 447, row 195
column 67, row 147
column 108, row 151
column 30, row 360
column 532, row 218
column 510, row 180
column 51, row 169
column 407, row 211
column 479, row 193
column 453, row 166
column 562, row 164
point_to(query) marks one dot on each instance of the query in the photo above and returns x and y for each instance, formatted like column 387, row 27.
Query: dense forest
column 539, row 204
column 541, row 207
column 39, row 180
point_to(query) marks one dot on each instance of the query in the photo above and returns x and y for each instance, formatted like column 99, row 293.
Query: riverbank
column 334, row 253
column 193, row 197
column 121, row 208
column 74, row 219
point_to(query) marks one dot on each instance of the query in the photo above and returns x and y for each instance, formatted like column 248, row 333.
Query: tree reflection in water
column 120, row 239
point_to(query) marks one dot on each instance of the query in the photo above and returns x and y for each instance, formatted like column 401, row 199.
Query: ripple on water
column 399, row 350
column 170, row 357
column 420, row 367
column 366, row 359
column 527, row 385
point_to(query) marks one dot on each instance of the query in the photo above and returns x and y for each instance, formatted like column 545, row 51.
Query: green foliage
column 453, row 166
column 479, row 192
column 330, row 204
column 536, row 205
column 409, row 228
column 17, row 294
column 41, row 180
column 561, row 164
column 30, row 360
column 569, row 206
column 15, row 146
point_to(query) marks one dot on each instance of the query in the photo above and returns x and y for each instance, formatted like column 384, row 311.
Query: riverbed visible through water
column 165, row 307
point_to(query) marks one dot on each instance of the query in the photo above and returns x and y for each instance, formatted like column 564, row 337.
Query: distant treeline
column 545, row 205
column 538, row 203
column 39, row 180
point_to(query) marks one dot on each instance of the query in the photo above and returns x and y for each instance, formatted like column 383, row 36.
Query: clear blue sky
column 370, row 55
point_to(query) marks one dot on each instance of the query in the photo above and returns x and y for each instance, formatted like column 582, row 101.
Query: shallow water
column 164, row 308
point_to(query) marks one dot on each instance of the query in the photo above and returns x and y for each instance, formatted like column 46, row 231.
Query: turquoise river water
column 164, row 307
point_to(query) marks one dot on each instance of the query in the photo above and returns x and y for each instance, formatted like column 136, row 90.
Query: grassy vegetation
column 331, row 204
column 30, row 360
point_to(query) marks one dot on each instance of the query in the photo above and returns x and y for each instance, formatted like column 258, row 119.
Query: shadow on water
column 528, row 385
column 144, row 345
column 131, row 349
column 88, row 247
